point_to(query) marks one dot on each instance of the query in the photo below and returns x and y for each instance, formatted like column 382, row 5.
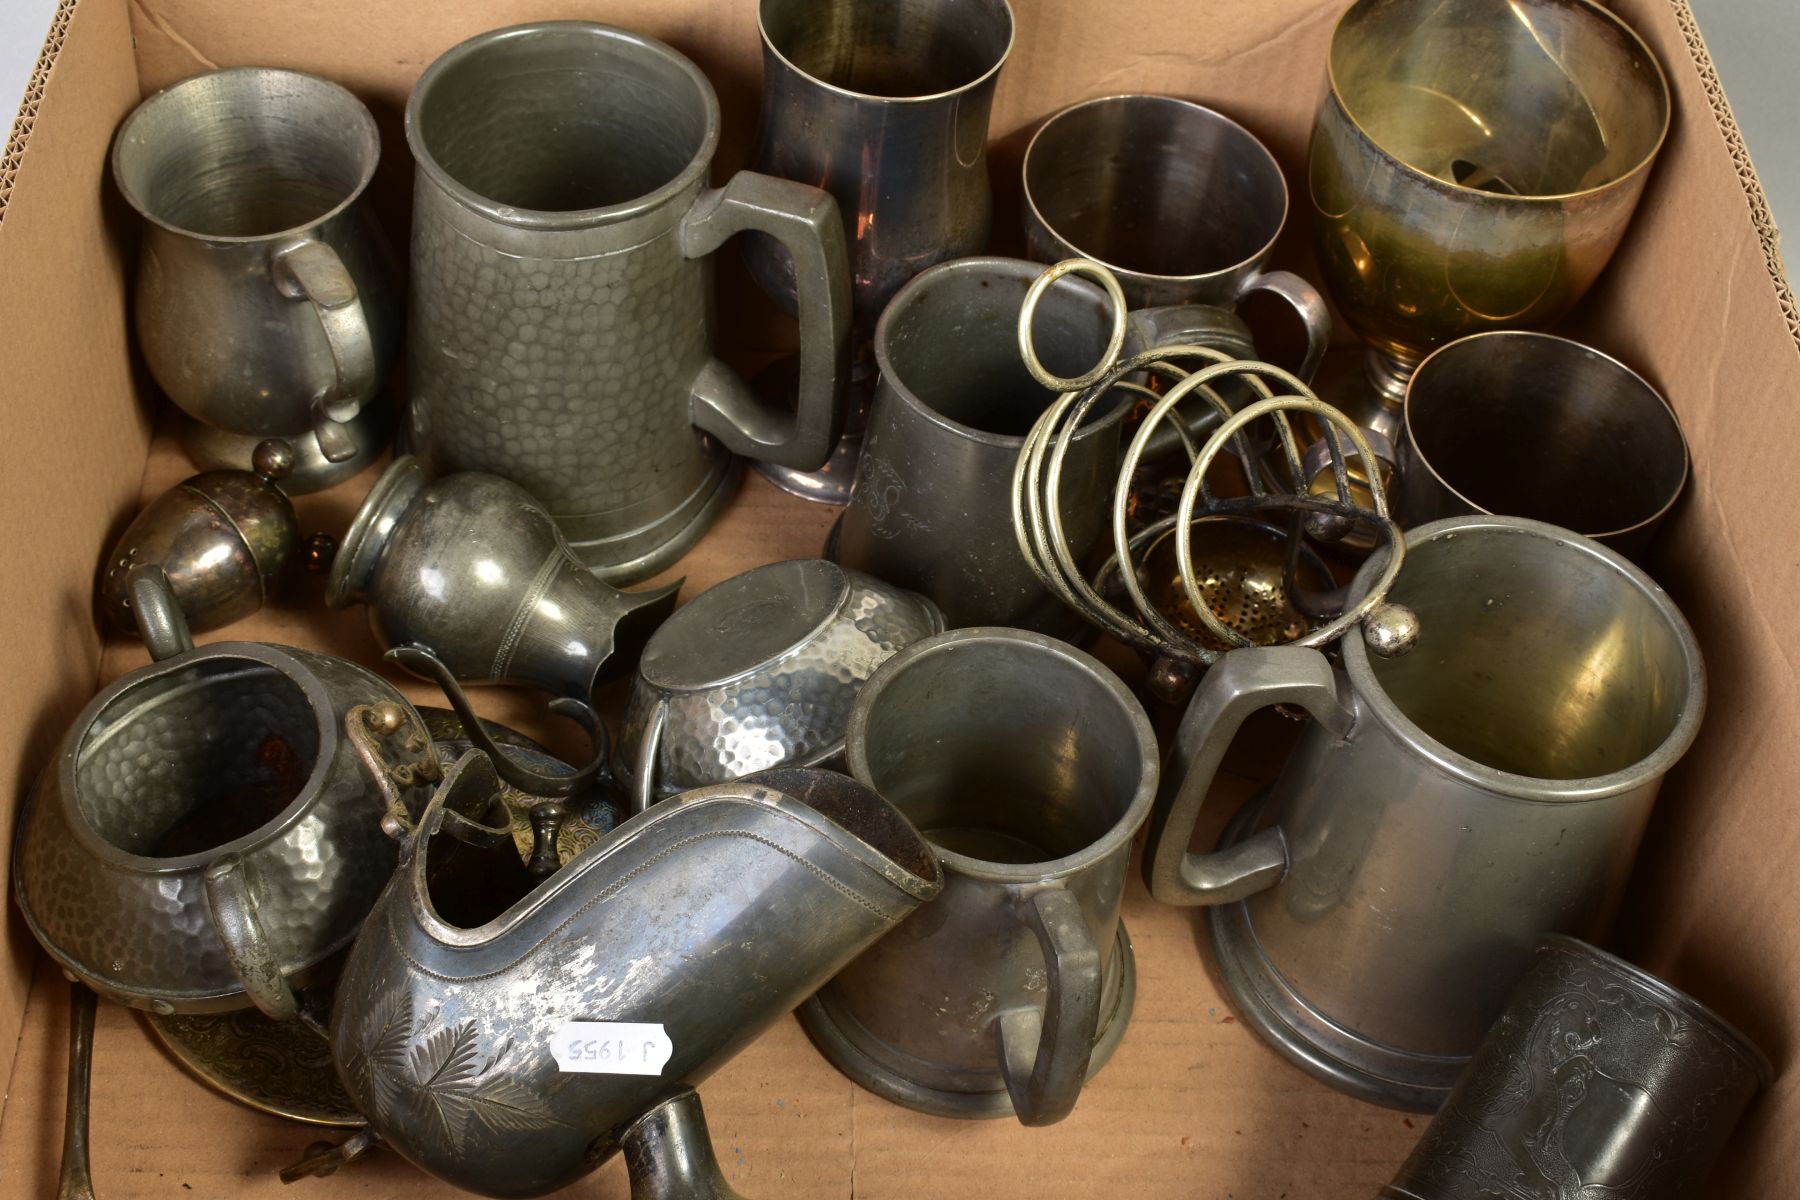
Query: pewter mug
column 708, row 916
column 1599, row 1079
column 267, row 298
column 1442, row 809
column 931, row 506
column 1181, row 203
column 562, row 310
column 1029, row 767
column 211, row 831
column 884, row 105
column 1535, row 425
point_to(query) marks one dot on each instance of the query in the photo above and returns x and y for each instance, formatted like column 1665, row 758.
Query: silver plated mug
column 931, row 507
column 1029, row 767
column 1180, row 202
column 267, row 298
column 562, row 312
column 1599, row 1080
column 886, row 107
column 1441, row 810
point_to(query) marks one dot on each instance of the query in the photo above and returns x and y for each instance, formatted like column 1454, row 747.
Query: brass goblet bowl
column 1473, row 167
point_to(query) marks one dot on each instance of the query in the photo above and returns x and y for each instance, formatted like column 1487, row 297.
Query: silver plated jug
column 562, row 317
column 1376, row 906
column 670, row 944
column 267, row 300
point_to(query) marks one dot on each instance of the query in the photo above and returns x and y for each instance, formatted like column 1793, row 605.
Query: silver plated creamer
column 706, row 917
column 759, row 672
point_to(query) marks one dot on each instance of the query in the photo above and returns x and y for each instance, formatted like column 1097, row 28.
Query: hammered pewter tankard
column 884, row 105
column 1534, row 425
column 1181, row 203
column 760, row 672
column 468, row 580
column 1028, row 766
column 1442, row 809
column 267, row 298
column 1473, row 167
column 658, row 952
column 562, row 310
column 931, row 508
column 1598, row 1080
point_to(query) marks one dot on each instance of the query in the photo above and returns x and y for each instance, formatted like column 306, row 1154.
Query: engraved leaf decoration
column 443, row 1064
column 506, row 1107
column 386, row 1035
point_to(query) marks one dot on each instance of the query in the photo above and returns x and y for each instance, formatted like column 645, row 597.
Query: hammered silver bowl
column 760, row 671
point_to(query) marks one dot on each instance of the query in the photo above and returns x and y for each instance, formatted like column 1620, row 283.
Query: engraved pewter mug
column 674, row 942
column 1599, row 1080
column 1534, row 425
column 562, row 313
column 267, row 298
column 1029, row 767
column 211, row 830
column 1442, row 809
column 467, row 579
column 886, row 107
column 1181, row 203
column 931, row 508
column 1473, row 167
column 758, row 672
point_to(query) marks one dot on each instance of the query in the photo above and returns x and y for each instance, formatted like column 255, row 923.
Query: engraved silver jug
column 695, row 924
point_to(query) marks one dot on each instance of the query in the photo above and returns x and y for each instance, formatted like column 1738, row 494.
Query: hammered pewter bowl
column 760, row 671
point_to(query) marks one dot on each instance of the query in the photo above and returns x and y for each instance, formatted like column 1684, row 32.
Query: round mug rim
column 547, row 219
column 987, row 76
column 1127, row 274
column 1622, row 532
column 1117, row 836
column 368, row 143
column 1023, row 269
column 1374, row 699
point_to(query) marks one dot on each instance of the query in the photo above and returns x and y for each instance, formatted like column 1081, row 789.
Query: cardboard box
column 1193, row 1105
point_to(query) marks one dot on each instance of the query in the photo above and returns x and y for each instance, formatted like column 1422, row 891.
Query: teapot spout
column 669, row 1154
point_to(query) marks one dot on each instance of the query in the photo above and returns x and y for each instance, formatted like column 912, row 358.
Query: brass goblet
column 1473, row 167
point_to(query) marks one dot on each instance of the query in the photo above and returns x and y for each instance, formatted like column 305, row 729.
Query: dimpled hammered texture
column 232, row 748
column 792, row 709
column 1600, row 1082
column 564, row 360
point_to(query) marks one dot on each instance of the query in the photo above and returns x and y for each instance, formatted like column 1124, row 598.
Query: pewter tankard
column 1443, row 809
column 931, row 506
column 885, row 105
column 562, row 312
column 266, row 301
column 1029, row 767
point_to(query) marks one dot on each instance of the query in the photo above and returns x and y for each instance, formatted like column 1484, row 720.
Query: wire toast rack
column 1245, row 570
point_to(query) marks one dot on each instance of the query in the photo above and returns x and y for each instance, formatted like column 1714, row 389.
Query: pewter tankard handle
column 805, row 221
column 1044, row 1057
column 311, row 270
column 1308, row 304
column 1237, row 685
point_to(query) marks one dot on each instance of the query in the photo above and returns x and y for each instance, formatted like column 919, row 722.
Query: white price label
column 612, row 1047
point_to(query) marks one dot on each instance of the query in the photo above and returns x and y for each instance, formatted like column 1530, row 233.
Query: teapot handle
column 233, row 905
column 160, row 621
